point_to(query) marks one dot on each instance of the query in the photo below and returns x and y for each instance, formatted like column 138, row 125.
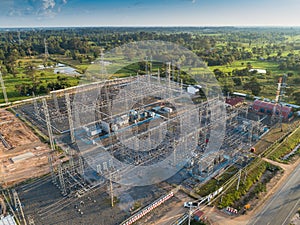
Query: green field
column 227, row 49
column 43, row 77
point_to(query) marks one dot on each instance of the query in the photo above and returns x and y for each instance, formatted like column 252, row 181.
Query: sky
column 65, row 13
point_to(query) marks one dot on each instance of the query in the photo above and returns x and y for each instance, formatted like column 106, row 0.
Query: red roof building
column 268, row 108
column 235, row 101
column 198, row 215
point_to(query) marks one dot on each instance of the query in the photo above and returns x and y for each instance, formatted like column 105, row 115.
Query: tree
column 296, row 96
column 228, row 85
column 249, row 66
column 237, row 81
column 219, row 73
column 254, row 86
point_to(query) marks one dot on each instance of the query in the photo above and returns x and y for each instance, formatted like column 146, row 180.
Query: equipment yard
column 115, row 139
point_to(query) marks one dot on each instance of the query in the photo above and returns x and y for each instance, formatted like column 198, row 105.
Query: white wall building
column 193, row 89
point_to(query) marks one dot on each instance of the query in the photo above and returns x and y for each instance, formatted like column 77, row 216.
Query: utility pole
column 146, row 65
column 111, row 190
column 190, row 215
column 168, row 73
column 158, row 76
column 181, row 86
column 239, row 179
column 3, row 88
column 151, row 65
column 35, row 106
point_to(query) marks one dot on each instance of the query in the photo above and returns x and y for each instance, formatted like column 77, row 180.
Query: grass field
column 44, row 76
column 268, row 82
column 121, row 67
column 286, row 146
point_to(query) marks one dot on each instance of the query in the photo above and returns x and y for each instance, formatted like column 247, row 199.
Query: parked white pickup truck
column 191, row 204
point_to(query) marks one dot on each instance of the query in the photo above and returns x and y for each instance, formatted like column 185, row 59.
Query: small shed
column 260, row 71
column 198, row 215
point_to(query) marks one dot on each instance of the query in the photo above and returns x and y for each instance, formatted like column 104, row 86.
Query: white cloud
column 39, row 8
column 48, row 4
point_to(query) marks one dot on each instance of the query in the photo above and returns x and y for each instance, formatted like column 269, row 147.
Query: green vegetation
column 229, row 52
column 253, row 180
column 286, row 147
column 28, row 80
column 136, row 205
column 215, row 183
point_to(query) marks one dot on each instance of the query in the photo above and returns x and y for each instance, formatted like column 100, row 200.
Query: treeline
column 216, row 46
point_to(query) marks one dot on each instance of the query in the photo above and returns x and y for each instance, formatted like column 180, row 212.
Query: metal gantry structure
column 139, row 121
column 116, row 98
column 46, row 53
column 280, row 93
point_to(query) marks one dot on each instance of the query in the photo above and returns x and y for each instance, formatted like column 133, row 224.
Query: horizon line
column 155, row 26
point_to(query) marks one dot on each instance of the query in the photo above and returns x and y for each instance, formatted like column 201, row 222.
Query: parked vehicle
column 191, row 204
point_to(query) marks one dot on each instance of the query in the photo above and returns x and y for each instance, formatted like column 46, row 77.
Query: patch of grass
column 44, row 76
column 268, row 82
column 286, row 146
column 215, row 183
column 232, row 195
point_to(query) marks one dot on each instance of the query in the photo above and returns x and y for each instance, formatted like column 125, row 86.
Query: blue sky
column 28, row 13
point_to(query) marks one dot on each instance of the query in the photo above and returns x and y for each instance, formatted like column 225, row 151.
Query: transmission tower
column 146, row 65
column 56, row 102
column 46, row 50
column 49, row 127
column 18, row 205
column 50, row 159
column 71, row 124
column 36, row 108
column 168, row 73
column 61, row 179
column 81, row 166
column 3, row 88
column 102, row 63
column 278, row 100
column 19, row 38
